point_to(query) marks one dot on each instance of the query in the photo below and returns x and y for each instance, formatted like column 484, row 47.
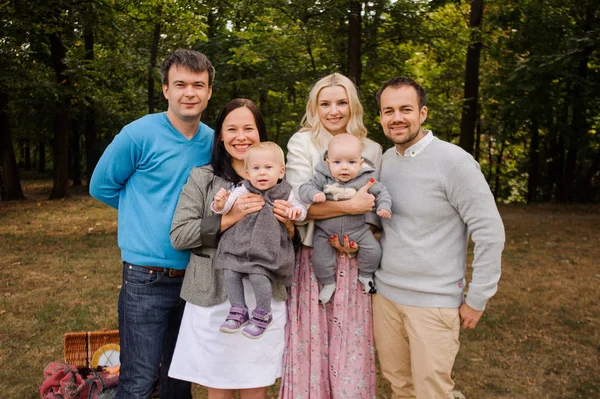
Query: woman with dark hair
column 221, row 160
column 223, row 362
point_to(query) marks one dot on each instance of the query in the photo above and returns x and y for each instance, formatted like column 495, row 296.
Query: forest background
column 514, row 82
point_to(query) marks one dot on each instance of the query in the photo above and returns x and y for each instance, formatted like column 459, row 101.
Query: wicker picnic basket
column 80, row 347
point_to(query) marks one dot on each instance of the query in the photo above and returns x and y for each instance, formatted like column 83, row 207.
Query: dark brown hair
column 195, row 61
column 221, row 160
column 400, row 81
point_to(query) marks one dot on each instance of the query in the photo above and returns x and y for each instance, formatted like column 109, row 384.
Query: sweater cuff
column 373, row 219
column 210, row 231
column 477, row 302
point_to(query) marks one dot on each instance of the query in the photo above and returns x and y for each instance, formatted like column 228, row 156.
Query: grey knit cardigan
column 196, row 227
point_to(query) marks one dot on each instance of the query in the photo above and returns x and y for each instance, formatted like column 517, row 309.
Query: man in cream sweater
column 439, row 198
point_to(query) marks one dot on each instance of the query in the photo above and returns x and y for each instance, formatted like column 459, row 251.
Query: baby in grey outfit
column 337, row 177
column 258, row 246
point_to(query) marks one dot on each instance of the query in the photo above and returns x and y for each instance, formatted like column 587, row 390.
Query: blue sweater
column 141, row 174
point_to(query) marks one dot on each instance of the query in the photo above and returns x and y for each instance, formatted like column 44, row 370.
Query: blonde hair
column 265, row 145
column 312, row 122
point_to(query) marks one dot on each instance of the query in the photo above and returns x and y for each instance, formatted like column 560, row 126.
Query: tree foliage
column 75, row 71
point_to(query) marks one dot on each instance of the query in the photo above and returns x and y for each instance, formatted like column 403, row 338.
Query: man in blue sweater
column 141, row 174
column 439, row 198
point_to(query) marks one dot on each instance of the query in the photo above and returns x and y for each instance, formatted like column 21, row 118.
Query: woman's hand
column 280, row 210
column 363, row 201
column 244, row 205
column 348, row 246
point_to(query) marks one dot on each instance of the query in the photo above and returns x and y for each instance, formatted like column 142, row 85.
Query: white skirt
column 206, row 356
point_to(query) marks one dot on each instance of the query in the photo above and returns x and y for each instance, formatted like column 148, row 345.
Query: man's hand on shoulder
column 469, row 317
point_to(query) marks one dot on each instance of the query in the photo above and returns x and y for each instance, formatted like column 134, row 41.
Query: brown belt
column 170, row 272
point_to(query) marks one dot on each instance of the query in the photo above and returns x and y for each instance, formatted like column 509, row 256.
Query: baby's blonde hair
column 265, row 145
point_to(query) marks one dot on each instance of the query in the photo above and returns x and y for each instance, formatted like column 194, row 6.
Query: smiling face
column 264, row 167
column 334, row 109
column 187, row 93
column 239, row 132
column 344, row 157
column 401, row 118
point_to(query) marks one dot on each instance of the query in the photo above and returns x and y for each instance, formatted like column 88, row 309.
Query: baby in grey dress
column 258, row 246
column 337, row 177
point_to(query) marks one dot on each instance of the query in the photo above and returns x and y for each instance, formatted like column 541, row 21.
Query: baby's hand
column 384, row 213
column 293, row 213
column 220, row 198
column 222, row 194
column 319, row 197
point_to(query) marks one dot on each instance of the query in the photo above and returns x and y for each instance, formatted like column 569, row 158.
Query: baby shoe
column 259, row 322
column 326, row 293
column 236, row 319
column 369, row 284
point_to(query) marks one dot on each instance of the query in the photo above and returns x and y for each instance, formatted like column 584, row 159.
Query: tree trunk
column 277, row 131
column 278, row 122
column 27, row 152
column 210, row 24
column 579, row 125
column 570, row 171
column 558, row 151
column 490, row 159
column 61, row 120
column 534, row 152
column 588, row 194
column 10, row 183
column 497, row 173
column 21, row 148
column 91, row 156
column 550, row 155
column 560, row 189
column 75, row 157
column 41, row 150
column 354, row 42
column 578, row 131
column 152, row 66
column 370, row 35
column 310, row 54
column 478, row 141
column 263, row 97
column 471, row 96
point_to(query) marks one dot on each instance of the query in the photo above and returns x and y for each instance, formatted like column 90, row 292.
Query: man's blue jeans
column 150, row 312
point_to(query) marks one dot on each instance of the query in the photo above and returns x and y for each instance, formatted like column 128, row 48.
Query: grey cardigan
column 195, row 226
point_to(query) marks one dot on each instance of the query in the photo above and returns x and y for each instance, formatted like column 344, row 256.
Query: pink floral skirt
column 329, row 351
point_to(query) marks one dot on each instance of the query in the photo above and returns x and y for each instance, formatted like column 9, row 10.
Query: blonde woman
column 329, row 348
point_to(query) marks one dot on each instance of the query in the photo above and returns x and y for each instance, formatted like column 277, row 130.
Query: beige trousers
column 416, row 348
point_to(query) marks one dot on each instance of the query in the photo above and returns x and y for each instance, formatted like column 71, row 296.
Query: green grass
column 539, row 337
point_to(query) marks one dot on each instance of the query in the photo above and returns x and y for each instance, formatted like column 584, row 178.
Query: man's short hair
column 195, row 61
column 400, row 81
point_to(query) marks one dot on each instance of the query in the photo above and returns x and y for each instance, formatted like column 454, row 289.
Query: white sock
column 367, row 282
column 326, row 292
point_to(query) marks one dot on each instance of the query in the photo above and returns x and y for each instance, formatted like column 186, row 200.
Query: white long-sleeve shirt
column 241, row 190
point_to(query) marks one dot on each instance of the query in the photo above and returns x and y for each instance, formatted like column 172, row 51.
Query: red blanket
column 63, row 381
